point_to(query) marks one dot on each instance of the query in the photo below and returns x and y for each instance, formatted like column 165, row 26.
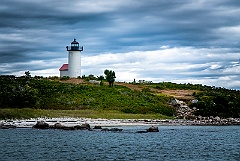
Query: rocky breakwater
column 85, row 123
column 199, row 120
column 85, row 126
column 44, row 125
column 204, row 121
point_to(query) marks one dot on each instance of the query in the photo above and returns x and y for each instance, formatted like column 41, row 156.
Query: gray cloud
column 32, row 31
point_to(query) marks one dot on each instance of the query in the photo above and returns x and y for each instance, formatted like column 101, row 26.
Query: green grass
column 19, row 93
column 24, row 97
column 27, row 113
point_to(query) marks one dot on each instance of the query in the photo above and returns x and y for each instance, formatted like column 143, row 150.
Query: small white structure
column 64, row 70
column 95, row 82
column 73, row 68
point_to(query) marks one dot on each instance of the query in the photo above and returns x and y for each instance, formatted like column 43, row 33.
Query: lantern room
column 74, row 46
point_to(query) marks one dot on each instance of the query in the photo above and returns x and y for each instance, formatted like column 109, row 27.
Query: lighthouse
column 73, row 68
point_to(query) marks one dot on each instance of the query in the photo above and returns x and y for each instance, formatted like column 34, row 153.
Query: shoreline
column 29, row 123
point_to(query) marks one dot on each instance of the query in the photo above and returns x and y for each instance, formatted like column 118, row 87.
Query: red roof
column 64, row 67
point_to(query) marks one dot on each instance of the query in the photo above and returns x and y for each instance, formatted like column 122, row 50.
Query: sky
column 181, row 41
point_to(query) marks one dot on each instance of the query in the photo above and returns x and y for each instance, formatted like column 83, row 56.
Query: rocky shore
column 71, row 122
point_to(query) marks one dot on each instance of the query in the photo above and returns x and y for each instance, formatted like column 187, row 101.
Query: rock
column 153, row 129
column 217, row 118
column 105, row 129
column 58, row 126
column 83, row 127
column 141, row 132
column 97, row 127
column 87, row 126
column 194, row 101
column 2, row 126
column 176, row 102
column 112, row 129
column 69, row 128
column 115, row 129
column 79, row 127
column 41, row 125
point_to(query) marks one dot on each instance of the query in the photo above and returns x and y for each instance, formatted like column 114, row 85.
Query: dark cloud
column 39, row 31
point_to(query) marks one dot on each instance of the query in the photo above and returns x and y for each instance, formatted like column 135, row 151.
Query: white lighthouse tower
column 74, row 59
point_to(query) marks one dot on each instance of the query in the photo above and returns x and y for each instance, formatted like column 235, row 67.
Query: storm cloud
column 183, row 41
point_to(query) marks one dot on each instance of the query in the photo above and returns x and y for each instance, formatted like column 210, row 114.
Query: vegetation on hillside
column 49, row 93
column 210, row 101
column 42, row 93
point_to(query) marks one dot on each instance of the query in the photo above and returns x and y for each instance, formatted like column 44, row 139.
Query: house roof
column 64, row 67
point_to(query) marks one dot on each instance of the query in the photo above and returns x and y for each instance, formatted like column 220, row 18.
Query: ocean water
column 170, row 143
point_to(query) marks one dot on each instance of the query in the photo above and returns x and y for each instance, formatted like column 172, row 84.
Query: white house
column 64, row 70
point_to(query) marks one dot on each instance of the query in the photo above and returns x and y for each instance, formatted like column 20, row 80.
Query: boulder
column 153, row 129
column 105, row 129
column 69, row 128
column 97, row 127
column 41, row 125
column 58, row 126
column 2, row 126
column 83, row 127
column 115, row 129
column 141, row 132
column 112, row 129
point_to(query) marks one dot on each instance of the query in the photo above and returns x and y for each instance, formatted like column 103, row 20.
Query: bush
column 65, row 78
column 54, row 78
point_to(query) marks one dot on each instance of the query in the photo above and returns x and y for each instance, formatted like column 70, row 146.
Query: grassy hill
column 150, row 99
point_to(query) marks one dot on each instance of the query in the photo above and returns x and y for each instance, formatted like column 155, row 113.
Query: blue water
column 171, row 143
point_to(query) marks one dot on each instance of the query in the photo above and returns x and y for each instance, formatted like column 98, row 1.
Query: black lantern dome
column 74, row 46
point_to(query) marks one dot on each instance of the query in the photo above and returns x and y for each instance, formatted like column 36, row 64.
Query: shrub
column 65, row 78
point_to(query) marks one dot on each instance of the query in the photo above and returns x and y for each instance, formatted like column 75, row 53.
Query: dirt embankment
column 73, row 80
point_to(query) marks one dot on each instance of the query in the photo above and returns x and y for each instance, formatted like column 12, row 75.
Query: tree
column 27, row 74
column 100, row 78
column 110, row 76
